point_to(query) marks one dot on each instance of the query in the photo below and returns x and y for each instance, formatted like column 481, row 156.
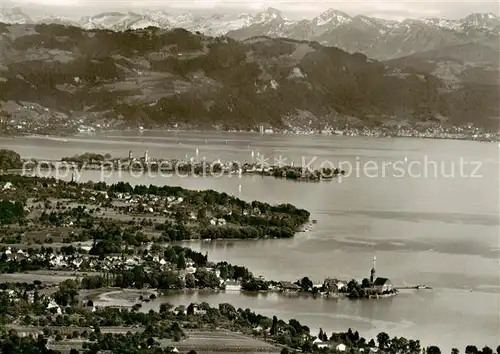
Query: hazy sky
column 389, row 9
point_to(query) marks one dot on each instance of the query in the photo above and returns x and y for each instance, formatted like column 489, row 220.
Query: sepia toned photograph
column 229, row 176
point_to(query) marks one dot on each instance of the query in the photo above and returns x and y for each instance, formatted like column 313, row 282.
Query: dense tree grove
column 10, row 160
column 11, row 212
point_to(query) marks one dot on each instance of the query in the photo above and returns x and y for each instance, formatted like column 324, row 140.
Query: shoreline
column 104, row 295
column 191, row 167
column 200, row 131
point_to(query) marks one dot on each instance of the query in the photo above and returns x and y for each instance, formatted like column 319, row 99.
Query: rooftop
column 380, row 281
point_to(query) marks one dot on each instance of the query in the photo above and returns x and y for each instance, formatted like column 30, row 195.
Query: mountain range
column 377, row 38
column 157, row 77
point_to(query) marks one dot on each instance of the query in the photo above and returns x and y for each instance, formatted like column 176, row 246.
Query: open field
column 55, row 245
column 229, row 342
column 31, row 277
column 45, row 276
column 71, row 329
column 67, row 345
column 116, row 297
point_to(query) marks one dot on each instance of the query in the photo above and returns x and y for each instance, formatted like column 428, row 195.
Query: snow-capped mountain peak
column 14, row 15
column 55, row 20
column 476, row 20
column 270, row 15
column 481, row 20
column 442, row 23
column 122, row 21
column 332, row 27
column 183, row 18
column 331, row 16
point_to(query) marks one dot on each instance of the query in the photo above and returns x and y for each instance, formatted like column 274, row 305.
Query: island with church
column 372, row 287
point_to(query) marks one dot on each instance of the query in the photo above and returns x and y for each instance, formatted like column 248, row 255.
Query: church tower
column 372, row 275
column 146, row 156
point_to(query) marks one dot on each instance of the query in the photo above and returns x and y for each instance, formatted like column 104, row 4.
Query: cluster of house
column 339, row 347
column 16, row 296
column 60, row 261
column 128, row 203
column 320, row 344
column 192, row 309
column 151, row 203
column 92, row 263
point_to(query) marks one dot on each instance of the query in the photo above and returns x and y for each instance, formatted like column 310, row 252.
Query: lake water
column 436, row 225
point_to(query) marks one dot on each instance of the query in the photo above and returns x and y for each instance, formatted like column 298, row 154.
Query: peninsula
column 140, row 214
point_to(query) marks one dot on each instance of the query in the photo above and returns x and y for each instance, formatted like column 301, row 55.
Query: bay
column 437, row 224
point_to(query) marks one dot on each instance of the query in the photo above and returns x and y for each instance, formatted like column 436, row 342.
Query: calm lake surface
column 440, row 228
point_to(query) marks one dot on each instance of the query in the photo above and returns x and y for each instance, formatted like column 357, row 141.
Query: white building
column 320, row 344
column 232, row 285
column 382, row 285
column 341, row 347
column 52, row 305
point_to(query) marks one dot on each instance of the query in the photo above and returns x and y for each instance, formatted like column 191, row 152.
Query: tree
column 73, row 351
column 365, row 283
column 454, row 351
column 10, row 159
column 325, row 337
column 414, row 346
column 383, row 340
column 305, row 284
column 66, row 293
column 433, row 350
column 274, row 327
column 321, row 334
column 471, row 349
column 11, row 212
column 487, row 350
column 150, row 342
column 190, row 309
column 165, row 307
column 498, row 349
column 206, row 279
column 399, row 345
column 177, row 337
column 355, row 336
column 190, row 281
column 307, row 347
column 181, row 261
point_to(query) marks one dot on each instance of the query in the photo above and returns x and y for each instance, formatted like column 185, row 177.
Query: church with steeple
column 379, row 285
column 373, row 272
